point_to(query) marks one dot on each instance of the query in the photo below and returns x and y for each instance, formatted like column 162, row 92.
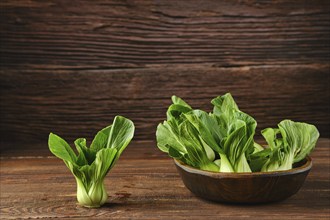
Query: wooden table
column 143, row 185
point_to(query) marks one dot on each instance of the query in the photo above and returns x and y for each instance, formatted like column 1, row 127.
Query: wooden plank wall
column 71, row 66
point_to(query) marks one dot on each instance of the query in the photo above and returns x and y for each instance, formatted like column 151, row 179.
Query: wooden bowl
column 258, row 187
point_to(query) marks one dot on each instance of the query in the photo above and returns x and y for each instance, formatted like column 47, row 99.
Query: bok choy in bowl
column 221, row 145
column 92, row 164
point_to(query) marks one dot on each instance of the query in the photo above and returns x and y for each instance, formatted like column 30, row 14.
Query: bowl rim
column 306, row 166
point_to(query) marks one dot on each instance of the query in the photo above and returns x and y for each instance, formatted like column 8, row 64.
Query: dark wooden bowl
column 258, row 187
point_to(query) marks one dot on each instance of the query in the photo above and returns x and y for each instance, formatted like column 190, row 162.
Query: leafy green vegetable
column 223, row 140
column 288, row 144
column 92, row 164
column 215, row 141
column 239, row 129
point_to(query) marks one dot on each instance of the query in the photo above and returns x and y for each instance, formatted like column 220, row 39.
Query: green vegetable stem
column 93, row 163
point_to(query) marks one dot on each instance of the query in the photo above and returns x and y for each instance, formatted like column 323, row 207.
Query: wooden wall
column 70, row 66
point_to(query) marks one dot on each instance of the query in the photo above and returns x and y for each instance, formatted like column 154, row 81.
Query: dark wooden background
column 70, row 66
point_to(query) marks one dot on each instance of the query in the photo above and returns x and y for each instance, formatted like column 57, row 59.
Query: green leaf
column 174, row 153
column 224, row 105
column 301, row 137
column 163, row 135
column 175, row 111
column 61, row 149
column 105, row 159
column 121, row 133
column 236, row 146
column 179, row 101
column 270, row 135
column 259, row 159
column 190, row 141
column 85, row 155
column 204, row 132
column 196, row 152
column 101, row 139
column 257, row 147
column 218, row 127
column 167, row 137
column 251, row 123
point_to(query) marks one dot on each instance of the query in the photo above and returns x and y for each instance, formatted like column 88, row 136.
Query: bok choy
column 291, row 142
column 92, row 164
column 223, row 140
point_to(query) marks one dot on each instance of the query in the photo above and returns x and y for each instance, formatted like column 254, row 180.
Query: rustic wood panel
column 134, row 34
column 78, row 103
column 144, row 185
column 70, row 67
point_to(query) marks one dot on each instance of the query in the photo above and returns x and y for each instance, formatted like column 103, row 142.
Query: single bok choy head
column 216, row 141
column 92, row 164
column 291, row 142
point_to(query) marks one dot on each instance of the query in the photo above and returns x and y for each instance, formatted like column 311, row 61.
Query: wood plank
column 134, row 34
column 78, row 103
column 142, row 187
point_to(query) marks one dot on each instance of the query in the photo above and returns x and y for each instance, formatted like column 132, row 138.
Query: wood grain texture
column 144, row 184
column 76, row 104
column 135, row 34
column 70, row 67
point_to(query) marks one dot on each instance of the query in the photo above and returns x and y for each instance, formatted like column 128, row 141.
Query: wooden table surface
column 144, row 184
